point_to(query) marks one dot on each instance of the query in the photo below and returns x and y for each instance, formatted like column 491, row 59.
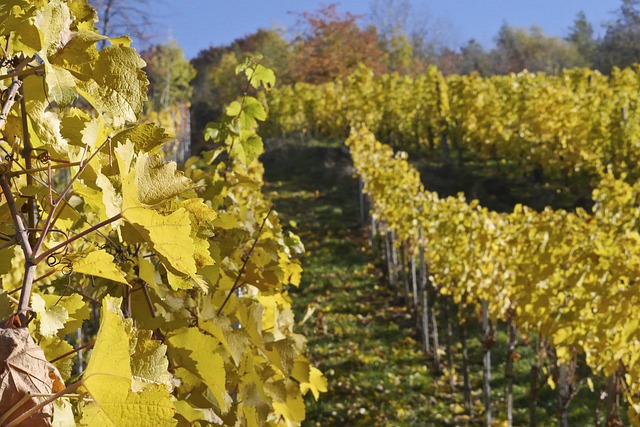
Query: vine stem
column 50, row 221
column 49, row 400
column 22, row 236
column 8, row 244
column 70, row 240
column 74, row 351
column 12, row 91
column 43, row 169
column 21, row 73
column 26, row 154
column 244, row 264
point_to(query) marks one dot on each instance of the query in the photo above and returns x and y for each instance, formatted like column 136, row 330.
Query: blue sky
column 198, row 24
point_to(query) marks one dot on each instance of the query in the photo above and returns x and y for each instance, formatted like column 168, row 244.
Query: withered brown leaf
column 24, row 371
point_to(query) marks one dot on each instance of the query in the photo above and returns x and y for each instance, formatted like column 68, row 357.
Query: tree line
column 327, row 44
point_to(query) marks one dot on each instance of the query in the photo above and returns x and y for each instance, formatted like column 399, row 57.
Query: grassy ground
column 360, row 334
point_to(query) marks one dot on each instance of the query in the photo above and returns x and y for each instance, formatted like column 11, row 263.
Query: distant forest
column 328, row 44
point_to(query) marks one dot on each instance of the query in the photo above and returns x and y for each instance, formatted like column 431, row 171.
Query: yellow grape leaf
column 202, row 252
column 6, row 259
column 119, row 91
column 177, row 282
column 301, row 370
column 80, row 129
column 52, row 312
column 54, row 347
column 317, row 383
column 61, row 85
column 551, row 383
column 292, row 408
column 78, row 54
column 76, row 308
column 149, row 364
column 158, row 181
column 168, row 236
column 147, row 271
column 251, row 417
column 110, row 198
column 100, row 263
column 151, row 408
column 215, row 327
column 18, row 16
column 145, row 137
column 63, row 414
column 202, row 216
column 92, row 197
column 108, row 373
column 121, row 41
column 196, row 352
column 108, row 379
column 7, row 307
column 192, row 414
column 293, row 272
column 53, row 22
column 45, row 125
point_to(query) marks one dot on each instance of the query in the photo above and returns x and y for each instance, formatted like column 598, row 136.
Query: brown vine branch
column 8, row 244
column 45, row 402
column 22, row 236
column 15, row 407
column 23, row 72
column 42, row 169
column 67, row 242
column 50, row 219
column 147, row 297
column 27, row 150
column 244, row 264
column 74, row 351
column 12, row 91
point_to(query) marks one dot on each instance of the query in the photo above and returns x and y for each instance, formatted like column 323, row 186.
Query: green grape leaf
column 261, row 75
column 249, row 111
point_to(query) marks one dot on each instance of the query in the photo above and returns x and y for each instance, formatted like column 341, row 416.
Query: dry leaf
column 24, row 370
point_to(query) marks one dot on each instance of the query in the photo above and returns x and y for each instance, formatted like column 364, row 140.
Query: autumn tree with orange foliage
column 332, row 45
